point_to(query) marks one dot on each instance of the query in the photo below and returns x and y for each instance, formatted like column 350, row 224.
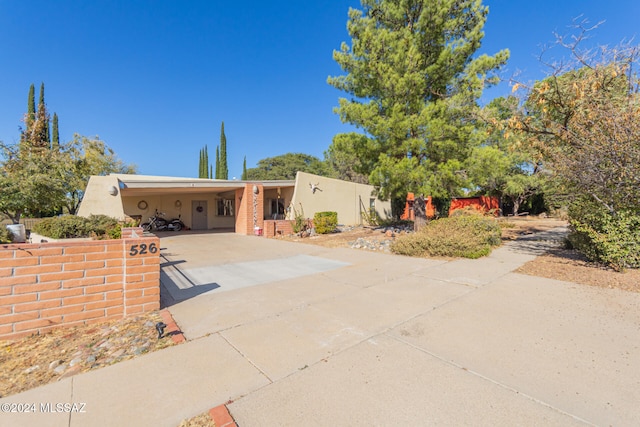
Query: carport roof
column 146, row 184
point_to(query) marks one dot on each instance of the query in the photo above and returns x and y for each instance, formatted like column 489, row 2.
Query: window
column 224, row 207
column 276, row 210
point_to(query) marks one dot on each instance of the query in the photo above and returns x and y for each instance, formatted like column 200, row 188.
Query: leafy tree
column 287, row 165
column 585, row 120
column 502, row 166
column 342, row 156
column 414, row 77
column 84, row 157
column 31, row 180
column 224, row 168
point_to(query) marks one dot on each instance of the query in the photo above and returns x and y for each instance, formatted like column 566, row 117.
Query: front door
column 199, row 215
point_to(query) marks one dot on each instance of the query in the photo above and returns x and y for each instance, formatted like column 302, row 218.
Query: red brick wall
column 46, row 285
column 275, row 228
column 245, row 207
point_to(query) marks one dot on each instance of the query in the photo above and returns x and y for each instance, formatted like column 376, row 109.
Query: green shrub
column 462, row 235
column 70, row 226
column 612, row 239
column 325, row 222
column 6, row 236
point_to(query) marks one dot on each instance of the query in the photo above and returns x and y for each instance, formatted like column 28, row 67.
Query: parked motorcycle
column 157, row 222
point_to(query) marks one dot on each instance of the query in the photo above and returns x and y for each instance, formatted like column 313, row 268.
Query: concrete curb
column 172, row 327
column 221, row 416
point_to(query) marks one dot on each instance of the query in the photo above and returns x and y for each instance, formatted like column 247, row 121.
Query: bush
column 70, row 226
column 612, row 239
column 325, row 222
column 6, row 236
column 462, row 235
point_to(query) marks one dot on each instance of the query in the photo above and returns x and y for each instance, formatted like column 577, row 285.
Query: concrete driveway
column 376, row 339
column 359, row 338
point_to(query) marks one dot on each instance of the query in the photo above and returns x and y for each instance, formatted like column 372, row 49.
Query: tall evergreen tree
column 224, row 169
column 244, row 169
column 55, row 137
column 218, row 170
column 46, row 135
column 36, row 131
column 414, row 78
column 31, row 107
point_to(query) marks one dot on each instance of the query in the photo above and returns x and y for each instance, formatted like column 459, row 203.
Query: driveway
column 316, row 336
column 374, row 339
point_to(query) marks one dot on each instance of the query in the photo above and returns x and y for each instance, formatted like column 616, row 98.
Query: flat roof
column 147, row 184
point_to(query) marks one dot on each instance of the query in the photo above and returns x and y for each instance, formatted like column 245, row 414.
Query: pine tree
column 244, row 169
column 55, row 137
column 413, row 79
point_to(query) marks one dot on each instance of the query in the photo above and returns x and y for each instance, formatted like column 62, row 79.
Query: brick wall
column 247, row 201
column 275, row 228
column 47, row 285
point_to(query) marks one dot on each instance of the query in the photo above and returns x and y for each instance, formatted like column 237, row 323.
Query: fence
column 48, row 285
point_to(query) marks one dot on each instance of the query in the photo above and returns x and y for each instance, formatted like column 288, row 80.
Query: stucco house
column 242, row 206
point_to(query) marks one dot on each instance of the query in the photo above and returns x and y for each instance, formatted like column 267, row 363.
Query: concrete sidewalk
column 372, row 339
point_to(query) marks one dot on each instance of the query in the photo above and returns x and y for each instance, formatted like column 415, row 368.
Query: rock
column 53, row 365
column 31, row 369
column 149, row 324
column 75, row 361
column 117, row 353
column 90, row 360
column 59, row 370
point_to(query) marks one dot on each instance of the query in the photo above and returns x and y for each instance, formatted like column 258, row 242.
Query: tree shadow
column 176, row 286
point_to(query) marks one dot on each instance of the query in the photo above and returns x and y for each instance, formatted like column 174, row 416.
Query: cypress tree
column 218, row 171
column 55, row 138
column 42, row 115
column 31, row 107
column 200, row 165
column 244, row 169
column 205, row 167
column 224, row 169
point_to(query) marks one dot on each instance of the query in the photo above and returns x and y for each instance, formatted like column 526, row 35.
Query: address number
column 143, row 249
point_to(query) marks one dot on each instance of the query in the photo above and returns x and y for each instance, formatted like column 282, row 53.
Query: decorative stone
column 31, row 369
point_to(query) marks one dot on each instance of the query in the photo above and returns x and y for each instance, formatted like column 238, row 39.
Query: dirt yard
column 560, row 264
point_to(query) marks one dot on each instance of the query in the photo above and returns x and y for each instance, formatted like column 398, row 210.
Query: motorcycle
column 157, row 222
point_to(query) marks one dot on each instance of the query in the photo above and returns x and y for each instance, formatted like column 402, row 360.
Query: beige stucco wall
column 348, row 199
column 176, row 205
column 97, row 199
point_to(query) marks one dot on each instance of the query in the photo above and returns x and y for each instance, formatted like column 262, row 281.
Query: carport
column 202, row 204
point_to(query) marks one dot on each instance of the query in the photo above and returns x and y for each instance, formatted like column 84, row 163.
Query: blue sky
column 155, row 79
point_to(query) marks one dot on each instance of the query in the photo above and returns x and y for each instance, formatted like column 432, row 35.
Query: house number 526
column 143, row 249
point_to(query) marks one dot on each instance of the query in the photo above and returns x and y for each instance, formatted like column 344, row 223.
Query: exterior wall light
column 255, row 189
column 113, row 191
